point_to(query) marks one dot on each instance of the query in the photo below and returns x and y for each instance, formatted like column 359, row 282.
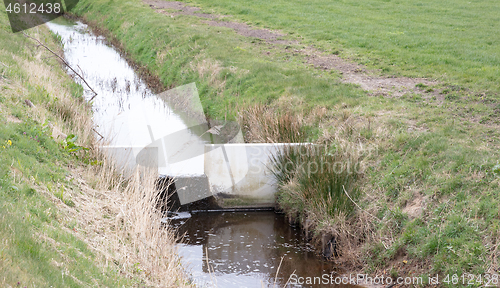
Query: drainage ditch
column 220, row 248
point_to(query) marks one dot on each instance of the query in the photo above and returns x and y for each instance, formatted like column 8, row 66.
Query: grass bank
column 67, row 219
column 428, row 198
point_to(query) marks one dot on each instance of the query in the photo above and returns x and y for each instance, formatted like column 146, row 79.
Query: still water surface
column 126, row 112
column 245, row 249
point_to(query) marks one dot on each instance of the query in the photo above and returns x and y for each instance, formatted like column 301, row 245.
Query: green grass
column 38, row 249
column 315, row 179
column 455, row 41
column 441, row 151
column 30, row 222
column 173, row 49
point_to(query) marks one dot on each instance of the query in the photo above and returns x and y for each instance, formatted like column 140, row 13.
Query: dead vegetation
column 119, row 220
column 265, row 125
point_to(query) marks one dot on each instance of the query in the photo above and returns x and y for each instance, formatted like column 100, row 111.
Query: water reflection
column 245, row 249
column 125, row 110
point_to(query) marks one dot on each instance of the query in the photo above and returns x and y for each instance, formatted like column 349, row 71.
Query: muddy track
column 352, row 73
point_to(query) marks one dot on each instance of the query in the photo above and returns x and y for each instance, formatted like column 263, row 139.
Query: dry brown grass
column 115, row 216
column 210, row 70
column 263, row 124
column 120, row 219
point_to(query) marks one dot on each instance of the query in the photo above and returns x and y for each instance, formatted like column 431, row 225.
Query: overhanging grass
column 316, row 179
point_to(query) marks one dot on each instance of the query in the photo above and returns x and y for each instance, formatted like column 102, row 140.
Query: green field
column 432, row 184
column 455, row 41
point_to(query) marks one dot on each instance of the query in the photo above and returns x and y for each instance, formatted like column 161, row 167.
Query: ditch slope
column 60, row 200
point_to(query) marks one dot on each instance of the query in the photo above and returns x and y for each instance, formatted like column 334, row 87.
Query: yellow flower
column 3, row 147
column 9, row 142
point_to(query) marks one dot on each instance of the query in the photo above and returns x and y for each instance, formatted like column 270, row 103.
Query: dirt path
column 181, row 7
column 369, row 80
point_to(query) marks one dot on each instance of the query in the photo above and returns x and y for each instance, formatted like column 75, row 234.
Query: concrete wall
column 238, row 174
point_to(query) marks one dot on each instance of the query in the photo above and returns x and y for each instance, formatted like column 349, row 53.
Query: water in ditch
column 245, row 249
column 242, row 249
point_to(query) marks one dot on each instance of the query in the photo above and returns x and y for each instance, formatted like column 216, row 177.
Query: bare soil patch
column 13, row 119
column 359, row 75
column 240, row 28
column 181, row 7
column 246, row 30
column 415, row 208
column 353, row 73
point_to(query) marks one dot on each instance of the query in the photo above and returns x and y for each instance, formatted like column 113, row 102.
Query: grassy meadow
column 428, row 198
column 455, row 41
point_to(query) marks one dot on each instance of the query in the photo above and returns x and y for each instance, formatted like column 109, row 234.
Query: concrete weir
column 239, row 175
column 203, row 158
column 235, row 176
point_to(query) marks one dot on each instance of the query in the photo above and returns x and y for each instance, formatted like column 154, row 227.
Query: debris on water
column 176, row 216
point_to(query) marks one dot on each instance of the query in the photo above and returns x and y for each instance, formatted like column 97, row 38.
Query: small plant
column 451, row 97
column 367, row 133
column 7, row 144
column 394, row 273
column 137, row 268
column 421, row 86
column 70, row 145
column 60, row 194
column 484, row 120
column 496, row 169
